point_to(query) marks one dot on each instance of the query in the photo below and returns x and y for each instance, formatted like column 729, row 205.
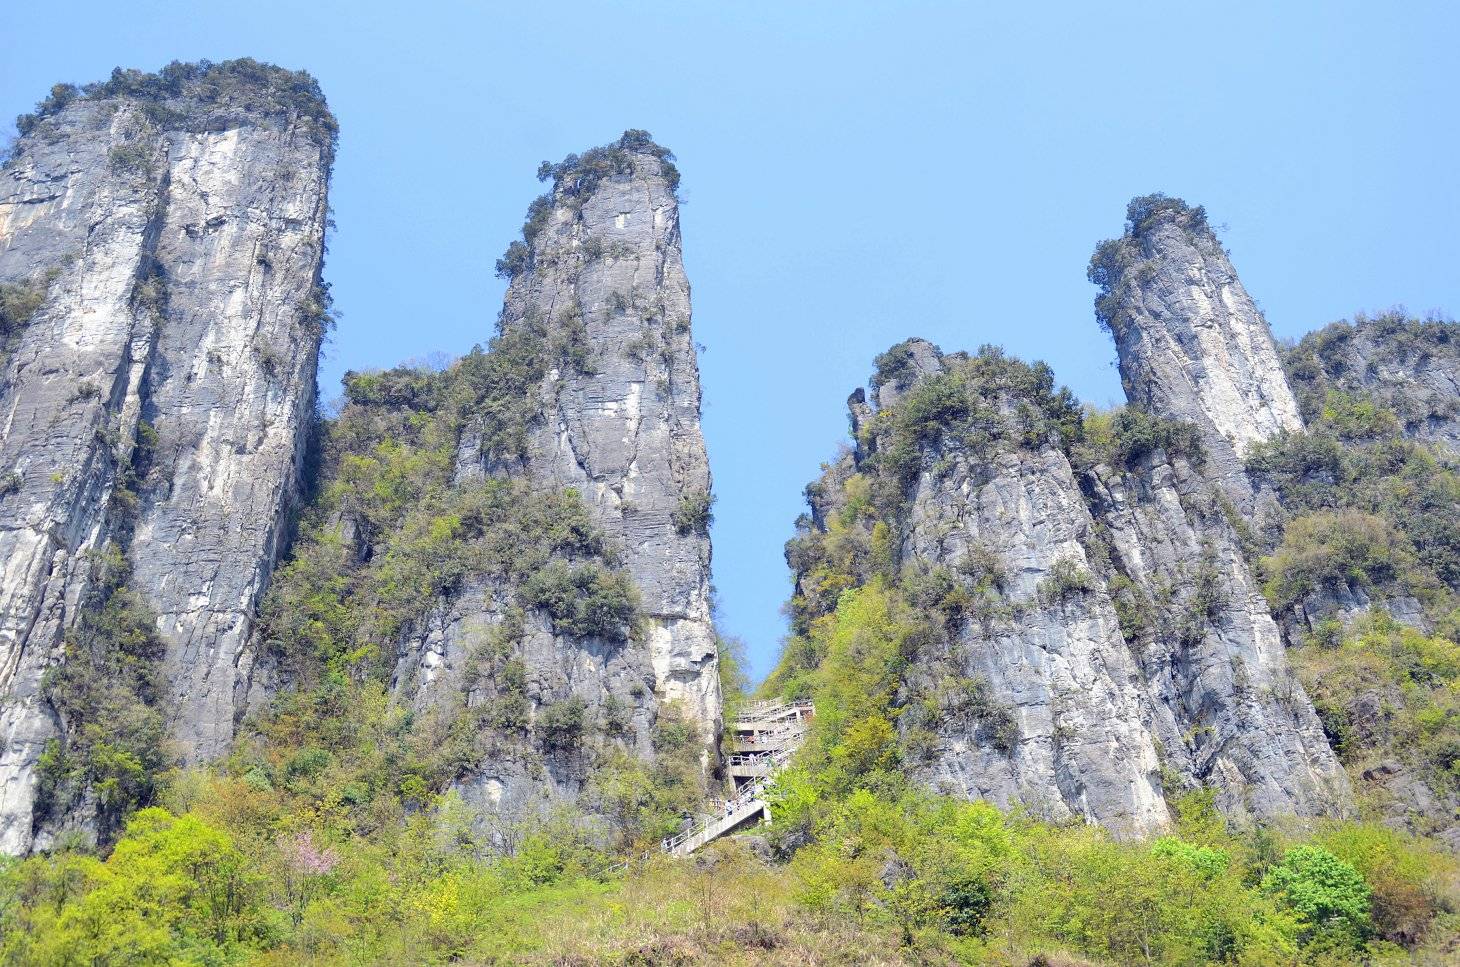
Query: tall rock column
column 167, row 231
column 1192, row 344
column 600, row 273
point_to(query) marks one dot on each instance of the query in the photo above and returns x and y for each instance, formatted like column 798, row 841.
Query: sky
column 854, row 174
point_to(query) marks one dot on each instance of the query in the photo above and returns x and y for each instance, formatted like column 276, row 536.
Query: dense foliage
column 108, row 698
column 202, row 93
column 1391, row 494
column 1388, row 693
column 958, row 880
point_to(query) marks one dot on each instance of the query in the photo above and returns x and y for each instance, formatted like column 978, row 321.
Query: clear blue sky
column 854, row 173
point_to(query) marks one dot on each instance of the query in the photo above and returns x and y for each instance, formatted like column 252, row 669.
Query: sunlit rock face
column 1112, row 648
column 158, row 399
column 1191, row 342
column 599, row 281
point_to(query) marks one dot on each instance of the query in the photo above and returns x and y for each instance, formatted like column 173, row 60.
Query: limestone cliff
column 591, row 390
column 158, row 392
column 1226, row 708
column 604, row 274
column 1192, row 344
column 1118, row 649
column 1410, row 366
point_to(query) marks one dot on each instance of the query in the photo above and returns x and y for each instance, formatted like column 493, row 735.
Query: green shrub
column 515, row 261
column 133, row 157
column 1353, row 417
column 175, row 890
column 1065, row 579
column 109, row 694
column 560, row 725
column 1414, row 679
column 19, row 301
column 694, row 513
column 1329, row 896
column 1327, row 550
column 1127, row 436
column 584, row 600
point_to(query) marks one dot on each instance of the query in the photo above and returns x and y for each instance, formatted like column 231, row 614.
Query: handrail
column 757, row 712
column 766, row 738
column 773, row 756
column 750, row 794
column 747, row 795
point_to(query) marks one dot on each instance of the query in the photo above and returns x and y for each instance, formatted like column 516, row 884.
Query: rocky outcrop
column 1192, row 344
column 1051, row 649
column 591, row 392
column 607, row 686
column 1106, row 645
column 157, row 398
column 1224, row 705
column 600, row 272
column 1409, row 366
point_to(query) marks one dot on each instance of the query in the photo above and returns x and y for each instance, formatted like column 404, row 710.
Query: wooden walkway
column 767, row 735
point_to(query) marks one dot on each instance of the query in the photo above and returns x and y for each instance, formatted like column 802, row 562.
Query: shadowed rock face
column 1410, row 366
column 605, row 275
column 1223, row 703
column 1192, row 344
column 176, row 225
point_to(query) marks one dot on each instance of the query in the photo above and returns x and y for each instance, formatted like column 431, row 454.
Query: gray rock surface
column 1410, row 366
column 1226, row 708
column 1084, row 747
column 1117, row 650
column 1192, row 344
column 512, row 781
column 179, row 221
column 604, row 273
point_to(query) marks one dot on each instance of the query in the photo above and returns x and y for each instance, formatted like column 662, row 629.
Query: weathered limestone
column 1114, row 647
column 604, row 275
column 1224, row 705
column 1056, row 659
column 1192, row 344
column 180, row 222
column 1410, row 366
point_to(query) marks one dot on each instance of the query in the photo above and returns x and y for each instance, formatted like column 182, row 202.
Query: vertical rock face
column 1410, row 366
column 1223, row 703
column 1106, row 644
column 1054, row 655
column 601, row 275
column 1192, row 344
column 172, row 226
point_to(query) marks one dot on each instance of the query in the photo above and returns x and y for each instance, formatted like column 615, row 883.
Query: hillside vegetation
column 331, row 835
